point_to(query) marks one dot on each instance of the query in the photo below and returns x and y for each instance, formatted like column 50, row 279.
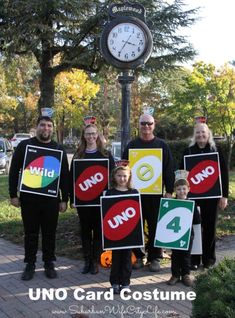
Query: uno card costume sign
column 146, row 167
column 91, row 178
column 41, row 171
column 204, row 175
column 122, row 225
column 174, row 224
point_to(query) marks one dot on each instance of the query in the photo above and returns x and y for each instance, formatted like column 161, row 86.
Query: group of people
column 41, row 212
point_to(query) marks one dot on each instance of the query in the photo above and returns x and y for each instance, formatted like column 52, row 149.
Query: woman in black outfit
column 90, row 147
column 203, row 142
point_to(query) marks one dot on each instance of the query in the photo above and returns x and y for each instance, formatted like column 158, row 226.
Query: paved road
column 15, row 294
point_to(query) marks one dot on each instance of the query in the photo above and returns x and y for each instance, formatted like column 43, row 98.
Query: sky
column 213, row 36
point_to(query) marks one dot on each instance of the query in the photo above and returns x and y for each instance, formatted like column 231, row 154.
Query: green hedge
column 215, row 292
column 177, row 149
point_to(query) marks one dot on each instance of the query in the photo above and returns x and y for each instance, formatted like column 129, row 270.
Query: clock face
column 126, row 42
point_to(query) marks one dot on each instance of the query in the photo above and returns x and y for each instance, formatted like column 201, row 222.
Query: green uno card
column 174, row 224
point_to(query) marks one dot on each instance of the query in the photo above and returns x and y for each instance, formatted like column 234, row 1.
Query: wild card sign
column 174, row 224
column 146, row 167
column 91, row 177
column 122, row 225
column 204, row 175
column 41, row 171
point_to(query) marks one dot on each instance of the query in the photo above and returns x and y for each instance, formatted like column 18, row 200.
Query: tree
column 18, row 93
column 73, row 92
column 71, row 29
column 210, row 92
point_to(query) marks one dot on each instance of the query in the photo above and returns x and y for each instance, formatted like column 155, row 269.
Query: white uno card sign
column 174, row 224
column 122, row 225
column 41, row 171
column 91, row 178
column 146, row 167
column 204, row 175
column 197, row 240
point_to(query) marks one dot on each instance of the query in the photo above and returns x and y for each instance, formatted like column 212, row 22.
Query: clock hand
column 124, row 44
column 129, row 43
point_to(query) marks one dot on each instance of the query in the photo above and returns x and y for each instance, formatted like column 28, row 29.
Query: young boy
column 180, row 259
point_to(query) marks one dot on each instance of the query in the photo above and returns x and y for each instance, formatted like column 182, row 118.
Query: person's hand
column 223, row 202
column 62, row 206
column 167, row 195
column 15, row 202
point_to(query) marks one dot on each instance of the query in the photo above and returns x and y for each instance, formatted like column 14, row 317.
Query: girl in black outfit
column 203, row 142
column 121, row 259
column 90, row 147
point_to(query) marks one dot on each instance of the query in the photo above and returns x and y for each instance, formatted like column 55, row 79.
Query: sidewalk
column 15, row 301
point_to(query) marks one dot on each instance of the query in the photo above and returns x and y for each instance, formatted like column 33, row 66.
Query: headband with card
column 89, row 120
column 200, row 120
column 122, row 163
column 181, row 175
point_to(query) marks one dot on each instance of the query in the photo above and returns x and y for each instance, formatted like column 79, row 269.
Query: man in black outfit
column 39, row 211
column 150, row 202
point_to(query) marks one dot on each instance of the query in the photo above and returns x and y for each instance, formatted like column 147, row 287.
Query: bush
column 215, row 292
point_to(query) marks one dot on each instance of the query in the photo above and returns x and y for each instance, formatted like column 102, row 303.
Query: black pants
column 180, row 261
column 209, row 214
column 150, row 209
column 121, row 267
column 90, row 232
column 40, row 216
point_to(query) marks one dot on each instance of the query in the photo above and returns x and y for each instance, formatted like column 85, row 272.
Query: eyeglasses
column 91, row 134
column 144, row 123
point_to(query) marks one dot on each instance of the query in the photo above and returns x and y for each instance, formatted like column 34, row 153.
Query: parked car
column 6, row 151
column 18, row 137
column 116, row 150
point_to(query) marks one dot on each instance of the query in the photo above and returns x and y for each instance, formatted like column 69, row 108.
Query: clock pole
column 125, row 80
column 126, row 43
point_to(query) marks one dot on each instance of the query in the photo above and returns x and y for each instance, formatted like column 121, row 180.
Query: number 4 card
column 174, row 224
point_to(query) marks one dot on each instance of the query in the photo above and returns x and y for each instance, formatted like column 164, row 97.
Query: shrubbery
column 215, row 291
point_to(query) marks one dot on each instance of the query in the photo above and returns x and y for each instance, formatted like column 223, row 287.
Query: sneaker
column 125, row 287
column 50, row 271
column 187, row 280
column 154, row 266
column 28, row 271
column 194, row 267
column 116, row 289
column 173, row 280
column 139, row 263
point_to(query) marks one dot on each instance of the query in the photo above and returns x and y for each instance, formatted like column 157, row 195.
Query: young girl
column 90, row 147
column 180, row 259
column 121, row 259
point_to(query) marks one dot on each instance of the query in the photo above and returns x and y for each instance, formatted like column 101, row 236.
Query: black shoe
column 194, row 267
column 50, row 271
column 28, row 271
column 94, row 268
column 86, row 267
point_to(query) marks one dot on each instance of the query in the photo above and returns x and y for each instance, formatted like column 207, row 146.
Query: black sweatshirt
column 194, row 150
column 167, row 167
column 87, row 155
column 17, row 165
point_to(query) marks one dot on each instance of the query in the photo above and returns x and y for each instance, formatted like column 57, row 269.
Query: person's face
column 201, row 134
column 121, row 177
column 182, row 192
column 44, row 131
column 146, row 125
column 90, row 135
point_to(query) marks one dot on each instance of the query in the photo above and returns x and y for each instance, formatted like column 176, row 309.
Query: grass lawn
column 68, row 238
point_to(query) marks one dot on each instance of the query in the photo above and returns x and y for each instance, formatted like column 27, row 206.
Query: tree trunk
column 230, row 143
column 47, row 88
